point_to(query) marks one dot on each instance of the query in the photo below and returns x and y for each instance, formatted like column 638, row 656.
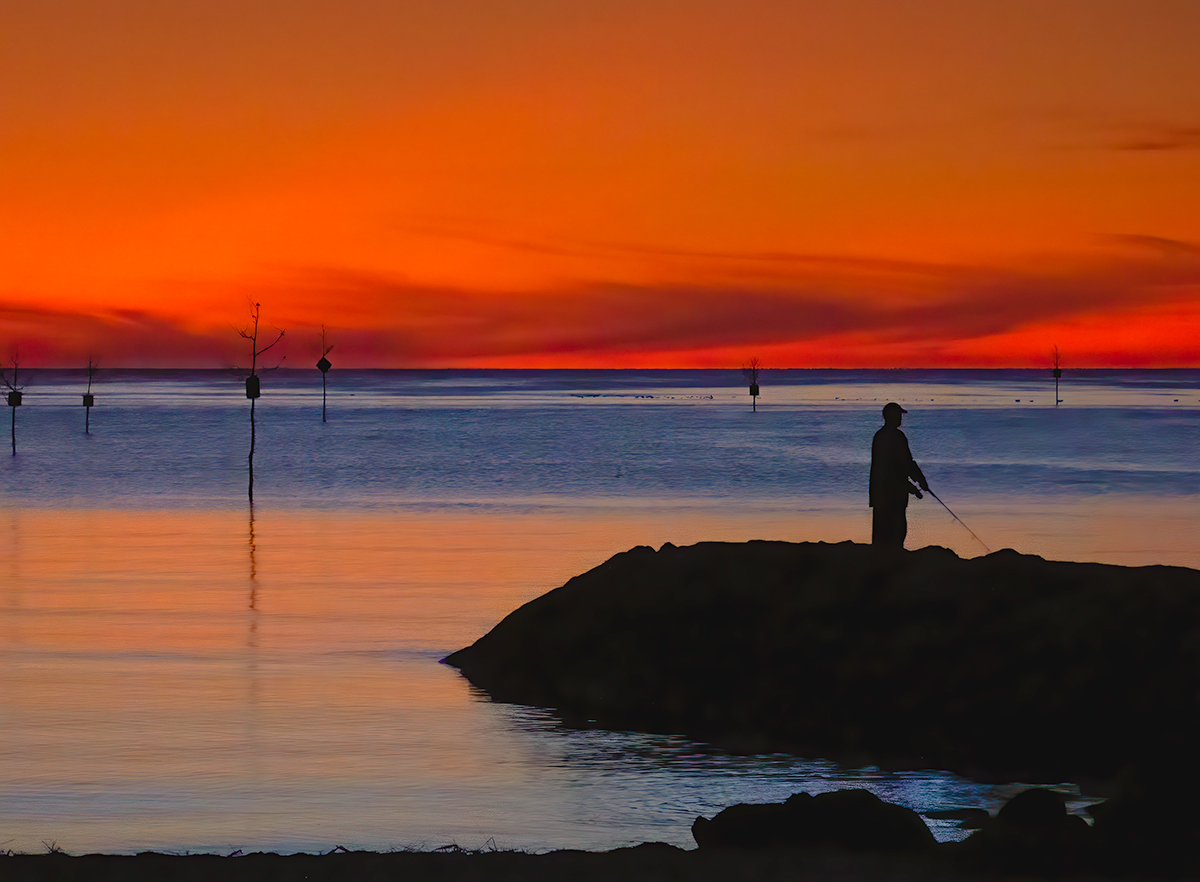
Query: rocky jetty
column 1007, row 666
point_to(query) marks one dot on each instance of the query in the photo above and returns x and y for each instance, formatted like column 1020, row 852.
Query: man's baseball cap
column 891, row 407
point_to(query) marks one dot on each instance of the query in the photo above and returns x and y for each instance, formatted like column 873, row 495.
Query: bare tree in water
column 12, row 380
column 253, row 387
column 750, row 373
column 88, row 400
column 323, row 366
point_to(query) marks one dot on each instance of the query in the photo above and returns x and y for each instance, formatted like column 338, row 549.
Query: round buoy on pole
column 14, row 401
column 89, row 400
column 1056, row 362
column 323, row 366
column 253, row 387
column 750, row 373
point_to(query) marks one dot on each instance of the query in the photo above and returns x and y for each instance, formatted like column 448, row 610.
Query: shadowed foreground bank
column 645, row 862
column 1007, row 666
column 843, row 835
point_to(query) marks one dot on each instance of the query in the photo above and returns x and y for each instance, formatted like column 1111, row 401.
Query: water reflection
column 211, row 680
column 253, row 561
column 253, row 687
column 663, row 782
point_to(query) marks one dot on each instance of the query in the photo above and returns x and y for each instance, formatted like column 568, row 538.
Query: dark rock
column 855, row 820
column 1153, row 819
column 991, row 665
column 1036, row 812
column 745, row 826
column 1033, row 834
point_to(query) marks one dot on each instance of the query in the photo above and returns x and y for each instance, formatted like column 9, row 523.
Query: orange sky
column 615, row 183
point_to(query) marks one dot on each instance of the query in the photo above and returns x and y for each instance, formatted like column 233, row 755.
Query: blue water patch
column 183, row 437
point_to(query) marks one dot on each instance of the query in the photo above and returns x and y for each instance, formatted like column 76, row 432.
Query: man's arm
column 914, row 470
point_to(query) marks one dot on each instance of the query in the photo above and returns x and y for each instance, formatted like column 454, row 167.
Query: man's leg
column 889, row 526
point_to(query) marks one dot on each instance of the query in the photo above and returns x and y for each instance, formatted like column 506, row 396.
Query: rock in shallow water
column 1007, row 664
column 1033, row 834
column 855, row 820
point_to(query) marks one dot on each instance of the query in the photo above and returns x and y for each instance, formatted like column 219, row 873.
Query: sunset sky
column 602, row 183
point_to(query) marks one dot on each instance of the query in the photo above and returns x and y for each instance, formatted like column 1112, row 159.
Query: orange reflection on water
column 172, row 679
column 179, row 581
column 188, row 579
column 146, row 700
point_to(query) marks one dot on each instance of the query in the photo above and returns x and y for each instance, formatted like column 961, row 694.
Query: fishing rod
column 960, row 520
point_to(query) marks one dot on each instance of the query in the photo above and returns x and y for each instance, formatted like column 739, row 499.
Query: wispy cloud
column 805, row 299
column 1158, row 138
column 824, row 297
column 566, row 247
column 1160, row 244
column 51, row 337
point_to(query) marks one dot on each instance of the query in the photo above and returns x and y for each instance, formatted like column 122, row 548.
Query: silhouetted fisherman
column 892, row 465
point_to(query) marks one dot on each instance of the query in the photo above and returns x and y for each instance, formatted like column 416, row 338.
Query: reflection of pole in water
column 251, row 753
column 253, row 566
column 252, row 636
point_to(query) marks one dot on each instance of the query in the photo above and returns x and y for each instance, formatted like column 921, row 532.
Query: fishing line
column 960, row 520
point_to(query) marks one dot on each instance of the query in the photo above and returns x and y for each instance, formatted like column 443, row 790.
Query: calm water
column 180, row 673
